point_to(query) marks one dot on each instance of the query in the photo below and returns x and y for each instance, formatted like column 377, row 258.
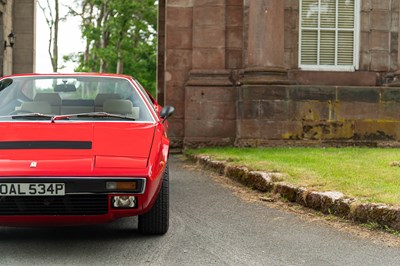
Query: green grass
column 363, row 173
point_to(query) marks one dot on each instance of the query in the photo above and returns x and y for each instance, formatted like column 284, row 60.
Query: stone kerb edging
column 330, row 202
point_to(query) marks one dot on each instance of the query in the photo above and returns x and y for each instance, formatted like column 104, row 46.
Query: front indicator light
column 121, row 185
column 123, row 201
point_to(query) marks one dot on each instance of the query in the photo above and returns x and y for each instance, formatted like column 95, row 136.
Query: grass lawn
column 364, row 173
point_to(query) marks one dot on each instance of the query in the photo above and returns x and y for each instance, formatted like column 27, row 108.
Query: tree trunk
column 55, row 39
column 120, row 64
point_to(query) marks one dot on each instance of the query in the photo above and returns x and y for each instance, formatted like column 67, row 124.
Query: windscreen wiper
column 91, row 114
column 33, row 116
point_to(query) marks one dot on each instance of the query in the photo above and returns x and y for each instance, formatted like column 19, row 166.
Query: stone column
column 396, row 81
column 177, row 63
column 209, row 44
column 161, row 52
column 210, row 116
column 264, row 57
column 398, row 46
column 24, row 29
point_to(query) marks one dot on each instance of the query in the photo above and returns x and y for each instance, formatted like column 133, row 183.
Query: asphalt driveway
column 209, row 226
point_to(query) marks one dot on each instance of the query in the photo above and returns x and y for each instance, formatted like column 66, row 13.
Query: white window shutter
column 309, row 14
column 327, row 48
column 346, row 14
column 345, row 48
column 309, row 49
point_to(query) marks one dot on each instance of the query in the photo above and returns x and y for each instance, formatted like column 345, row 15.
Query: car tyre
column 156, row 221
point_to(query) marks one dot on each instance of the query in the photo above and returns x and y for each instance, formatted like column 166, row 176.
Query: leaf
column 122, row 30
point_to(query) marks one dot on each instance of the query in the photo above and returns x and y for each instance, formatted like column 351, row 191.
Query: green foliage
column 367, row 174
column 119, row 32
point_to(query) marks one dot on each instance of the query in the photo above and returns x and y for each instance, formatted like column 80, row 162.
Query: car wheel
column 156, row 221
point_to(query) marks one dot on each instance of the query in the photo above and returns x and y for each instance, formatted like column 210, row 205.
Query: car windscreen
column 71, row 95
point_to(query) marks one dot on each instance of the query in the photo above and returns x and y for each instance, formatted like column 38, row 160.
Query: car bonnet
column 73, row 148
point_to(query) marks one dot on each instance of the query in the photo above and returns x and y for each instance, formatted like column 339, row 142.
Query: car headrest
column 114, row 106
column 102, row 97
column 50, row 97
column 37, row 107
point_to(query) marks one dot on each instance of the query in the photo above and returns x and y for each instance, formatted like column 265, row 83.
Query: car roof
column 70, row 74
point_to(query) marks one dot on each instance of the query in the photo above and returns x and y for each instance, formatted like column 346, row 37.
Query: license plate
column 32, row 189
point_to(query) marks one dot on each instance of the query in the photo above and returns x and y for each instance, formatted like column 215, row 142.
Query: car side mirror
column 166, row 112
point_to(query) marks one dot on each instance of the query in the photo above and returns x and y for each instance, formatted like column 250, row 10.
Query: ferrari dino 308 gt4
column 81, row 149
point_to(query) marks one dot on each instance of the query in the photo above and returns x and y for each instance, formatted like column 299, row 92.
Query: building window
column 329, row 35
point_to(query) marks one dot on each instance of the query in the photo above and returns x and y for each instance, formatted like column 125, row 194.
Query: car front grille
column 90, row 204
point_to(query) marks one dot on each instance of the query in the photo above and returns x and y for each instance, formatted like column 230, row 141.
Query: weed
column 372, row 226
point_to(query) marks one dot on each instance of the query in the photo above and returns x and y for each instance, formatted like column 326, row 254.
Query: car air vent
column 82, row 204
column 18, row 145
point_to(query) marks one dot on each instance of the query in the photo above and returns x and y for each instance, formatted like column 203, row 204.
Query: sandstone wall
column 329, row 115
column 230, row 68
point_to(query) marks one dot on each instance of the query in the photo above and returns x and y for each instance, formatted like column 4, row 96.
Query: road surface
column 209, row 226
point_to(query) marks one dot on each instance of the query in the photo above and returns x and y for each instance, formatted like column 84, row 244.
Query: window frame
column 356, row 42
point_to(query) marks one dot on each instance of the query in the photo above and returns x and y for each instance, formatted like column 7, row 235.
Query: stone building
column 17, row 17
column 280, row 72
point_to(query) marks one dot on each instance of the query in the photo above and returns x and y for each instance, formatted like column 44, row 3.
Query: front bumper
column 86, row 201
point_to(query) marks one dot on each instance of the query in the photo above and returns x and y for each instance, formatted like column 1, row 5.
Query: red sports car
column 82, row 149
